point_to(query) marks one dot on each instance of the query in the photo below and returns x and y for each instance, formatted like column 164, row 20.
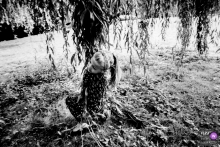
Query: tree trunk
column 202, row 25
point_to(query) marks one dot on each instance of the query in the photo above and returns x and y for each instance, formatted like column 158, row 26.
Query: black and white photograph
column 109, row 73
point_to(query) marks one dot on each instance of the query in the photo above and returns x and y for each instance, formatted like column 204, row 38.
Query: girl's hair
column 108, row 60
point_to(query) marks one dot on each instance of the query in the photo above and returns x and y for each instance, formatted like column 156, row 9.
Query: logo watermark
column 209, row 137
column 213, row 136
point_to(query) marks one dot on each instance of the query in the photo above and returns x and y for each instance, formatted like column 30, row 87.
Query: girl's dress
column 95, row 84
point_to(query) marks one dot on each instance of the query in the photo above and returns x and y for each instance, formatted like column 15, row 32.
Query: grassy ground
column 164, row 107
column 168, row 107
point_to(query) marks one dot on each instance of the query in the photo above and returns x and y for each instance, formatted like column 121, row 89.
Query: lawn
column 163, row 107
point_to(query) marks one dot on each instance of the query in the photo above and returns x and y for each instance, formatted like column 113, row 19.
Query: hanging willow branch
column 185, row 15
column 91, row 18
column 90, row 23
column 49, row 41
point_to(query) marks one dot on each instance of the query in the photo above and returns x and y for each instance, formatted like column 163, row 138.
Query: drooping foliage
column 90, row 23
column 90, row 19
column 188, row 11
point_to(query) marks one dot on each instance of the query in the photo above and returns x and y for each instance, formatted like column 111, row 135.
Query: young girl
column 94, row 85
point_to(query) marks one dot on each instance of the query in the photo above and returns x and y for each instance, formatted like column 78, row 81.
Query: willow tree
column 90, row 19
column 90, row 23
column 187, row 11
column 204, row 10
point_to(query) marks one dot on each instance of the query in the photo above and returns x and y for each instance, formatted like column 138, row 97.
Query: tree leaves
column 92, row 16
column 90, row 24
column 80, row 127
column 72, row 58
column 82, row 16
